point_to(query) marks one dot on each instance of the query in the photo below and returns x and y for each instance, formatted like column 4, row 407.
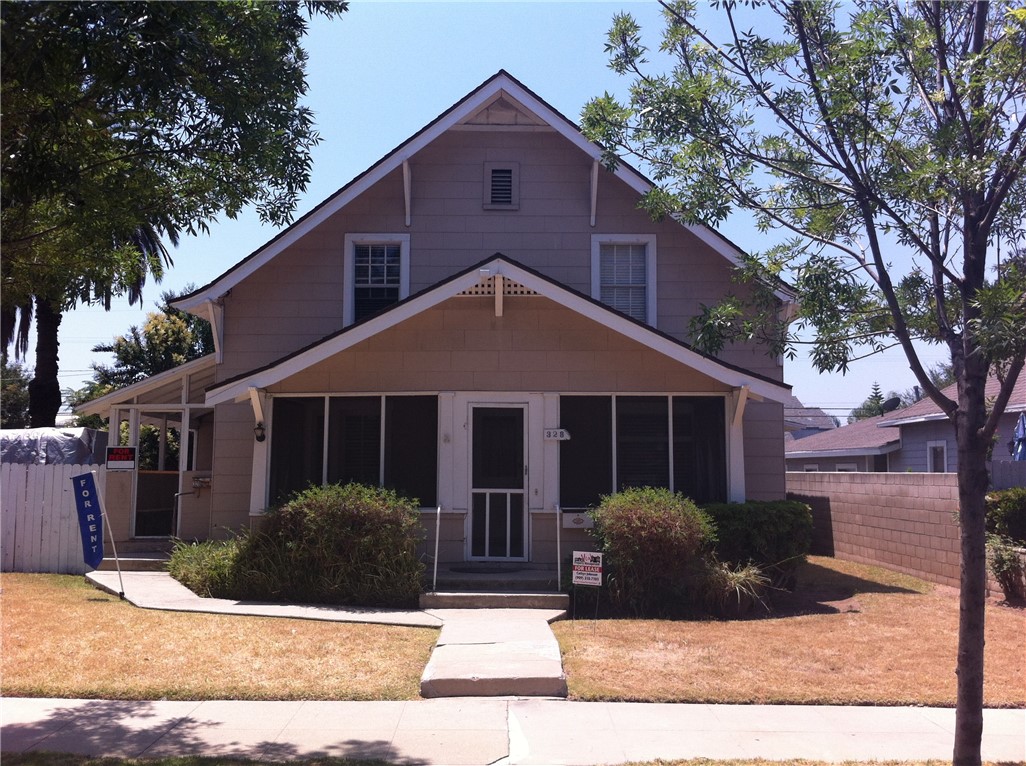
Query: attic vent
column 501, row 186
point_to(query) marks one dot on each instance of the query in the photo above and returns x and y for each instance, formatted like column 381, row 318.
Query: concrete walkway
column 479, row 652
column 495, row 731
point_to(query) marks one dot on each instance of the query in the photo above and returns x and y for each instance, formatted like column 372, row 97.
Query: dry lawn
column 63, row 638
column 879, row 638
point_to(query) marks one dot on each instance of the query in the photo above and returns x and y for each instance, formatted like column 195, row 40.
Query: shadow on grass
column 108, row 732
column 819, row 589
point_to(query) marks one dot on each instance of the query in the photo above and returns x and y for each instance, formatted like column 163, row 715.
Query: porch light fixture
column 258, row 432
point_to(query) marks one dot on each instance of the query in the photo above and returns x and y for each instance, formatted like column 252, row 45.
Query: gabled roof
column 237, row 388
column 798, row 417
column 471, row 109
column 863, row 437
column 926, row 410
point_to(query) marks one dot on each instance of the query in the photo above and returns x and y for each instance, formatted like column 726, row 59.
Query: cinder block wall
column 902, row 521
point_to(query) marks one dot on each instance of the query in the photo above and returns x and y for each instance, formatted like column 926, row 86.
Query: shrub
column 652, row 541
column 336, row 544
column 208, row 568
column 774, row 535
column 1006, row 565
column 1006, row 514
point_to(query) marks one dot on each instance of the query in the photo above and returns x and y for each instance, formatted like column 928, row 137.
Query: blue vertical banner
column 90, row 518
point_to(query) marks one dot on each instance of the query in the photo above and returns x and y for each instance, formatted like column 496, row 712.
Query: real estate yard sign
column 587, row 568
column 90, row 518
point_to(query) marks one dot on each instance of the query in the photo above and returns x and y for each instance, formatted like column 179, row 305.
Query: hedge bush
column 346, row 545
column 1006, row 514
column 773, row 535
column 653, row 542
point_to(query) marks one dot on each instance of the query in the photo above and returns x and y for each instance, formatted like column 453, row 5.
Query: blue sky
column 383, row 71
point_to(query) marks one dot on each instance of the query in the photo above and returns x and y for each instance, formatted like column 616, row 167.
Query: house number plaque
column 557, row 435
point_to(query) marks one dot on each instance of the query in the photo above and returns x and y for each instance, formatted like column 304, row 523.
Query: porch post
column 259, row 400
column 736, row 445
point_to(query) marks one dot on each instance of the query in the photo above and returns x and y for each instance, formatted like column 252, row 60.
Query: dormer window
column 501, row 186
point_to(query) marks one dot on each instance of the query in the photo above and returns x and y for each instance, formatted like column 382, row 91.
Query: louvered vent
column 502, row 186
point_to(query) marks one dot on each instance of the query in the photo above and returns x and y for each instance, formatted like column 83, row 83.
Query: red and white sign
column 587, row 568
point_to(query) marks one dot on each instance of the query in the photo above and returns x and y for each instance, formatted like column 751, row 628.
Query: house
column 859, row 446
column 928, row 438
column 918, row 438
column 485, row 321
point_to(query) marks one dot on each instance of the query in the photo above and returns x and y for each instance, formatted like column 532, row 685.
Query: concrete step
column 491, row 600
column 491, row 578
column 495, row 653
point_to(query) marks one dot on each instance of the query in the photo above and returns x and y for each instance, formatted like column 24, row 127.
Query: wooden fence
column 38, row 522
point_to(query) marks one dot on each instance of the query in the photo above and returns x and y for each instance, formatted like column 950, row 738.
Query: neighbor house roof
column 863, row 437
column 798, row 417
column 238, row 387
column 500, row 85
column 926, row 410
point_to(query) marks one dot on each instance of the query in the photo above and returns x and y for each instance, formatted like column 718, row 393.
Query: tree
column 126, row 125
column 871, row 408
column 167, row 339
column 887, row 145
column 14, row 380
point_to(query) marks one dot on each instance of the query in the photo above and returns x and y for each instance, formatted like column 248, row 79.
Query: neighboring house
column 928, row 438
column 801, row 421
column 918, row 438
column 484, row 320
column 859, row 446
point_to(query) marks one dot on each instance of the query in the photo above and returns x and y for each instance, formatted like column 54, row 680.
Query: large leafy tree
column 125, row 126
column 14, row 382
column 886, row 141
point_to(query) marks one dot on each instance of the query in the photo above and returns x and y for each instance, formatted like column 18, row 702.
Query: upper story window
column 376, row 273
column 501, row 186
column 623, row 274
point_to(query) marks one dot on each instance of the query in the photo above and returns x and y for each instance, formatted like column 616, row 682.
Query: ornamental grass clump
column 653, row 542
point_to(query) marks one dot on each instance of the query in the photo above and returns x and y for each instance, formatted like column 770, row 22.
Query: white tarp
column 52, row 446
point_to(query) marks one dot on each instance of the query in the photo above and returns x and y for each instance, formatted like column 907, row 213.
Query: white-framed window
column 376, row 274
column 501, row 186
column 810, row 467
column 937, row 457
column 623, row 274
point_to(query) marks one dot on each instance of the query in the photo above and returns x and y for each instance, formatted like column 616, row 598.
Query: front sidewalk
column 490, row 731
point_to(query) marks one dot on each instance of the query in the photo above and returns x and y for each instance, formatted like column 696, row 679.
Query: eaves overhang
column 237, row 388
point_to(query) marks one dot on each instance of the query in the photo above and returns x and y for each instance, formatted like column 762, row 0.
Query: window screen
column 623, row 278
column 297, row 446
column 699, row 448
column 411, row 447
column 642, row 442
column 586, row 460
column 354, row 440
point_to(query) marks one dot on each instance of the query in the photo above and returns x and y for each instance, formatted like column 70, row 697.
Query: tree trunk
column 45, row 388
column 973, row 481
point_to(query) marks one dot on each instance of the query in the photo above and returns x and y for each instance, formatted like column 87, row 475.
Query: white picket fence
column 38, row 522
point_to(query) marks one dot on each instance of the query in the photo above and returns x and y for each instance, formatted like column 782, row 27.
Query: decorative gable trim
column 473, row 279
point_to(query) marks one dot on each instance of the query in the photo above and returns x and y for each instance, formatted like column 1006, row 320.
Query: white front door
column 498, row 477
